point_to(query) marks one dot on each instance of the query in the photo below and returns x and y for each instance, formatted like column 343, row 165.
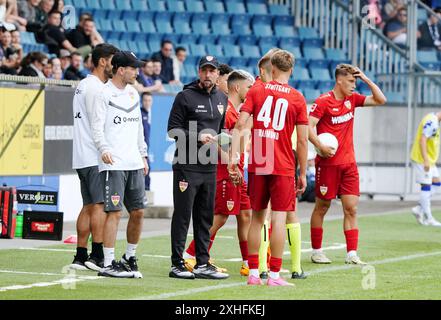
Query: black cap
column 126, row 59
column 208, row 61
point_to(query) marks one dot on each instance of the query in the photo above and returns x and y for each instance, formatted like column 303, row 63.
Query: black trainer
column 132, row 263
column 209, row 271
column 116, row 270
column 179, row 271
column 78, row 264
column 296, row 275
column 264, row 275
column 94, row 263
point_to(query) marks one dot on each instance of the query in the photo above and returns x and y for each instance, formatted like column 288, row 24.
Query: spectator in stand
column 65, row 59
column 9, row 15
column 33, row 64
column 164, row 56
column 16, row 44
column 396, row 29
column 47, row 69
column 27, row 9
column 157, row 71
column 392, row 8
column 178, row 62
column 146, row 81
column 429, row 32
column 57, row 72
column 222, row 80
column 9, row 61
column 88, row 66
column 85, row 36
column 147, row 102
column 43, row 10
column 73, row 72
column 58, row 6
column 54, row 35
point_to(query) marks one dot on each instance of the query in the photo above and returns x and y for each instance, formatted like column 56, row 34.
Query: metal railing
column 37, row 80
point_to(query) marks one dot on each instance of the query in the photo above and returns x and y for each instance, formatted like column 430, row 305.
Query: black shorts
column 91, row 185
column 124, row 187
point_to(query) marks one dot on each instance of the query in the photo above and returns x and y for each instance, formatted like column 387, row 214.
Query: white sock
column 187, row 256
column 315, row 251
column 131, row 250
column 109, row 256
column 274, row 275
column 254, row 273
column 352, row 253
column 425, row 203
column 245, row 263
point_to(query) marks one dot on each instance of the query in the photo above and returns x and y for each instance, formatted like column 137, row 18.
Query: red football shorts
column 333, row 181
column 231, row 199
column 279, row 189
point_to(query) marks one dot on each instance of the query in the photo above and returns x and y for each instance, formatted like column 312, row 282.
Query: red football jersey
column 276, row 108
column 231, row 117
column 337, row 117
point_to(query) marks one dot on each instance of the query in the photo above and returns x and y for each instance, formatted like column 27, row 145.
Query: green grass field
column 404, row 257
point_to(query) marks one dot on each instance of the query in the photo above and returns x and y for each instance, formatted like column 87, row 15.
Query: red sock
column 244, row 250
column 316, row 237
column 211, row 242
column 191, row 250
column 253, row 261
column 275, row 264
column 351, row 239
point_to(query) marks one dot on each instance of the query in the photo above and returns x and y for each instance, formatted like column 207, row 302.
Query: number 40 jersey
column 276, row 108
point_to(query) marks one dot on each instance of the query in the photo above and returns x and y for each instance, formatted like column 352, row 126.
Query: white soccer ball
column 329, row 140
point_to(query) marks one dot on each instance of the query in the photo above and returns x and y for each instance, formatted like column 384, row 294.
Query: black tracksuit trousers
column 193, row 196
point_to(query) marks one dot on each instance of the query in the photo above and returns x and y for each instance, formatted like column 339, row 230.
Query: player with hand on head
column 336, row 171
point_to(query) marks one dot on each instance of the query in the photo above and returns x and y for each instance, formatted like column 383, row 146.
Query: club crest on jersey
column 221, row 108
column 230, row 205
column 313, row 107
column 348, row 104
column 132, row 95
column 183, row 185
column 115, row 199
column 323, row 190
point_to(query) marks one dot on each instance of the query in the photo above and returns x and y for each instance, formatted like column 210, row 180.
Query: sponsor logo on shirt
column 119, row 120
column 77, row 115
column 342, row 119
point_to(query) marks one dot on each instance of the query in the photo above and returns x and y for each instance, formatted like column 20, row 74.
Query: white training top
column 85, row 154
column 117, row 128
column 431, row 126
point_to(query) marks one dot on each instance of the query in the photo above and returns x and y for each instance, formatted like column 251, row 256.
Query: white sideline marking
column 48, row 284
column 33, row 273
column 237, row 284
column 47, row 249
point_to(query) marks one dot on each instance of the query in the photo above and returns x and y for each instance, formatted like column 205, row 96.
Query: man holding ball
column 336, row 170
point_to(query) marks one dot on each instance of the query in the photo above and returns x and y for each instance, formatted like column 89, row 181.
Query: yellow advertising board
column 21, row 132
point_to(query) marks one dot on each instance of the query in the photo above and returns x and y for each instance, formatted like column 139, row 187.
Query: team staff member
column 119, row 136
column 85, row 161
column 337, row 173
column 196, row 117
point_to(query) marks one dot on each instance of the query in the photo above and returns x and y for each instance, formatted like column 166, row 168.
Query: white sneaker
column 320, row 258
column 354, row 260
column 418, row 213
column 432, row 222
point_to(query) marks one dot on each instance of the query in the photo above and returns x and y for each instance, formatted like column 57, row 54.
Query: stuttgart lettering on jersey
column 277, row 87
column 344, row 118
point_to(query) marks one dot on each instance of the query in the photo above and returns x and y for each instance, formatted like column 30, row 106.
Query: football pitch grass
column 404, row 263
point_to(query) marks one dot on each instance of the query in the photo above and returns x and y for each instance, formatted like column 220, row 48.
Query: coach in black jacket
column 196, row 117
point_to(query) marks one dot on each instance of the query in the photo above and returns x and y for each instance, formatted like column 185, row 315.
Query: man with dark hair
column 118, row 134
column 85, row 161
column 73, row 72
column 85, row 36
column 429, row 32
column 222, row 81
column 396, row 29
column 146, row 80
column 195, row 118
column 178, row 62
column 54, row 36
column 164, row 56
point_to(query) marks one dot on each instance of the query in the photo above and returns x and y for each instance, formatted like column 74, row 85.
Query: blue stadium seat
column 252, row 62
column 335, row 54
column 238, row 62
column 278, row 10
column 251, row 51
column 262, row 19
column 285, row 31
column 320, row 74
column 311, row 94
column 124, row 45
column 175, row 6
column 187, row 39
column 119, row 25
column 267, row 41
column 215, row 50
column 182, row 26
column 106, row 5
column 106, row 25
column 231, row 50
column 289, row 43
column 284, row 21
column 99, row 14
column 313, row 43
column 257, row 8
column 114, row 15
column 141, row 37
column 190, row 70
column 427, row 56
column 133, row 26
column 221, row 17
column 173, row 37
column 314, row 53
column 240, row 19
column 163, row 16
column 249, row 39
column 261, row 30
column 234, row 7
column 308, row 33
column 164, row 26
column 154, row 42
column 79, row 4
column 207, row 39
column 143, row 49
column 123, row 4
column 139, row 5
column 93, row 4
column 214, row 7
column 147, row 26
column 231, row 39
column 197, row 50
column 325, row 85
column 200, row 27
column 433, row 66
column 157, row 5
column 191, row 61
column 301, row 74
column 195, row 6
column 181, row 17
column 395, row 97
column 133, row 46
column 241, row 29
